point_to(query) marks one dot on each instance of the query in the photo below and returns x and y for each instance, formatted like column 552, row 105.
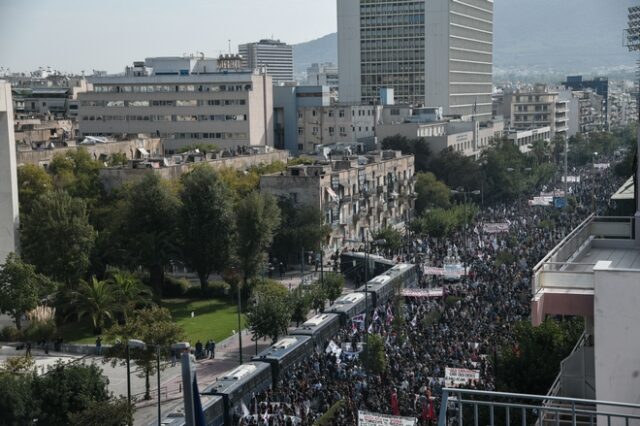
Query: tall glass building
column 431, row 52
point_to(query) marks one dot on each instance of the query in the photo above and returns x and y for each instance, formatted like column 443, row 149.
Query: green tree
column 431, row 192
column 258, row 218
column 156, row 328
column 67, row 389
column 130, row 293
column 374, row 358
column 419, row 148
column 150, row 225
column 456, row 170
column 300, row 303
column 333, row 284
column 115, row 412
column 97, row 300
column 301, row 228
column 57, row 237
column 76, row 172
column 207, row 223
column 392, row 239
column 16, row 401
column 533, row 363
column 33, row 181
column 21, row 288
column 270, row 314
column 437, row 223
column 317, row 297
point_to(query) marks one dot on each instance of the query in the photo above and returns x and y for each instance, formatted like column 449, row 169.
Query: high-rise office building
column 431, row 52
column 8, row 176
column 274, row 55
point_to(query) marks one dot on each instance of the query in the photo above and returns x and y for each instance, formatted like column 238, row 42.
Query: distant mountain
column 323, row 49
column 542, row 37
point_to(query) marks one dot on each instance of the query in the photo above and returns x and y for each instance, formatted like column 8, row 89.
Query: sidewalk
column 227, row 357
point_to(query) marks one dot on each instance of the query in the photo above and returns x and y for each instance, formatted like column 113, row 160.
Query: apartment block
column 325, row 74
column 183, row 101
column 273, row 55
column 432, row 53
column 336, row 123
column 599, row 85
column 536, row 107
column 356, row 195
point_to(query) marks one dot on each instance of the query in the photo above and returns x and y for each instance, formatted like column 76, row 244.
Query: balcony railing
column 552, row 271
column 460, row 406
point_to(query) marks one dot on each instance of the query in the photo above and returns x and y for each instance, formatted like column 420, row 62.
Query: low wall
column 44, row 157
column 116, row 176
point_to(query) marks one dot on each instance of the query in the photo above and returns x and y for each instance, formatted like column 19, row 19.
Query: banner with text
column 460, row 376
column 366, row 418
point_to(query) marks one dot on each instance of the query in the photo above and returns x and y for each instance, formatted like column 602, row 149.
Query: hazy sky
column 75, row 35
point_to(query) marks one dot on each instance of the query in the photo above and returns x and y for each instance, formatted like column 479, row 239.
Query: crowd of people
column 463, row 330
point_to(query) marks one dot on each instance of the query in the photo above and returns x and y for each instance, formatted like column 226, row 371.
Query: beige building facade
column 356, row 195
column 536, row 107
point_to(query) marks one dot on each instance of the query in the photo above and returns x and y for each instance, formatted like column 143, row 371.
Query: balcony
column 564, row 281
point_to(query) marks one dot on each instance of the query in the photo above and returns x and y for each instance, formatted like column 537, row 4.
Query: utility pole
column 239, row 324
column 566, row 161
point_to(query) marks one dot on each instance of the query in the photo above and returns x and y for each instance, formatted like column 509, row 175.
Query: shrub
column 10, row 334
column 175, row 287
column 452, row 300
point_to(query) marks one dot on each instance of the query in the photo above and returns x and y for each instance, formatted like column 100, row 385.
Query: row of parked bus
column 236, row 387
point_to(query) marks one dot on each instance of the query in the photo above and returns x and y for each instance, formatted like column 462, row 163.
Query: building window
column 301, row 130
column 313, row 112
column 341, row 114
column 315, row 131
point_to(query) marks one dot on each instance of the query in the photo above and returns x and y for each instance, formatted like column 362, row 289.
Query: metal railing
column 552, row 268
column 460, row 406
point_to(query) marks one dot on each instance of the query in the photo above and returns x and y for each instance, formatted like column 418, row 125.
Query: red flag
column 395, row 408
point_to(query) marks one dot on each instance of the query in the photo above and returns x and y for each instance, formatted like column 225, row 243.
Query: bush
column 175, row 287
column 11, row 334
column 39, row 330
column 217, row 290
column 452, row 300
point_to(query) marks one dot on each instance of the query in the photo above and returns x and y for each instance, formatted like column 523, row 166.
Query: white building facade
column 432, row 53
column 274, row 55
column 8, row 176
column 183, row 101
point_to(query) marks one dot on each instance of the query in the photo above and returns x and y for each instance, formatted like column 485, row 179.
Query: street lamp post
column 466, row 221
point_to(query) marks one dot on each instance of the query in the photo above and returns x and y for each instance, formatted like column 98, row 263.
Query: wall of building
column 43, row 157
column 349, row 50
column 116, row 176
column 8, row 176
column 617, row 336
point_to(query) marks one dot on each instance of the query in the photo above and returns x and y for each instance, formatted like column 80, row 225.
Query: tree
column 16, row 402
column 333, row 284
column 419, row 148
column 130, row 293
column 301, row 228
column 317, row 297
column 456, row 170
column 57, row 237
column 374, row 358
column 258, row 218
column 533, row 363
column 33, row 181
column 156, row 328
column 21, row 288
column 97, row 300
column 392, row 239
column 150, row 225
column 78, row 174
column 67, row 389
column 432, row 193
column 436, row 223
column 207, row 225
column 300, row 303
column 271, row 314
column 115, row 412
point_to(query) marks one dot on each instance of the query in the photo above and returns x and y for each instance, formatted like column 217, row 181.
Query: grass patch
column 213, row 319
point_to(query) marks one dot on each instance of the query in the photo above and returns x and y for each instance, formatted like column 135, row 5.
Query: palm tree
column 130, row 292
column 96, row 299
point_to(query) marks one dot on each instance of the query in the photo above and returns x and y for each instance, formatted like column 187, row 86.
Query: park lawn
column 213, row 319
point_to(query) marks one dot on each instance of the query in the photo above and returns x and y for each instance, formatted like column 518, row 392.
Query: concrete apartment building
column 356, row 195
column 431, row 52
column 590, row 111
column 599, row 85
column 622, row 107
column 336, row 123
column 273, row 55
column 47, row 102
column 9, row 224
column 466, row 137
column 182, row 100
column 325, row 74
column 524, row 139
column 536, row 107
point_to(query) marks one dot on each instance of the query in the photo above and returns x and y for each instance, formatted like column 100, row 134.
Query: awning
column 143, row 152
column 625, row 192
column 332, row 194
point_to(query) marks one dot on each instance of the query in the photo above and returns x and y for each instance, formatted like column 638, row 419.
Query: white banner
column 422, row 292
column 495, row 228
column 431, row 270
column 460, row 376
column 374, row 419
column 601, row 166
column 572, row 179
